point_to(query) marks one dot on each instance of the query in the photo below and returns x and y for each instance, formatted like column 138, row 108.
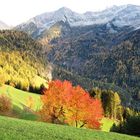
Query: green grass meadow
column 20, row 98
column 23, row 129
column 16, row 129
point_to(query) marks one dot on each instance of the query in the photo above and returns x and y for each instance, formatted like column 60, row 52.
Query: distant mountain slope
column 127, row 15
column 3, row 26
column 102, row 46
column 99, row 54
column 23, row 61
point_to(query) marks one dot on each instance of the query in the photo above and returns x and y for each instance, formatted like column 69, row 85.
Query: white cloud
column 14, row 12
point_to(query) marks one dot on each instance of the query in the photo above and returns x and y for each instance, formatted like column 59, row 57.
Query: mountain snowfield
column 126, row 15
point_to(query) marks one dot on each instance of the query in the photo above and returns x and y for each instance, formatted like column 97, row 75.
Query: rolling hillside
column 25, row 104
column 20, row 102
column 23, row 130
column 20, row 98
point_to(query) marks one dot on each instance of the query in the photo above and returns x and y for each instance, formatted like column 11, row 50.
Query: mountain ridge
column 126, row 15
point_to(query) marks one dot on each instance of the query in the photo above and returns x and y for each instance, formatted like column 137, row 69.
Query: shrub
column 130, row 125
column 5, row 104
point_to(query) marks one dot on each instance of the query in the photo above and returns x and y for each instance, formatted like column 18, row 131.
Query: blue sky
column 14, row 12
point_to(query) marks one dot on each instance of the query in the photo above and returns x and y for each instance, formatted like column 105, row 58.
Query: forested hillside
column 101, row 46
column 21, row 61
column 96, row 53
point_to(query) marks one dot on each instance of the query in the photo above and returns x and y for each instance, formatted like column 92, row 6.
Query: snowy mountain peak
column 125, row 15
column 64, row 10
column 63, row 13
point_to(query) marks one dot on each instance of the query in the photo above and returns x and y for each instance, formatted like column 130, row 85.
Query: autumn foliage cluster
column 65, row 104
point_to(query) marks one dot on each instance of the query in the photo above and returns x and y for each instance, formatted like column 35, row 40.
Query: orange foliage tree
column 65, row 104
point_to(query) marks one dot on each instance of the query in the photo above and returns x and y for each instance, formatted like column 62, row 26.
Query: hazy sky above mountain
column 14, row 12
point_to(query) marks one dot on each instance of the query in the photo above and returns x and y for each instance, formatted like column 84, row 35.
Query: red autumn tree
column 63, row 103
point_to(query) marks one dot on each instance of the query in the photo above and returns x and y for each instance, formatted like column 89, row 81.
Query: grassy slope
column 23, row 130
column 19, row 97
column 20, row 102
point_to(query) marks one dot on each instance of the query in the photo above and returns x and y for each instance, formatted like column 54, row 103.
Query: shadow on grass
column 24, row 113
